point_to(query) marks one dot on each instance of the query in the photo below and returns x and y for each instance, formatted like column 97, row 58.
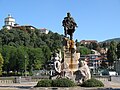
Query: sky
column 96, row 19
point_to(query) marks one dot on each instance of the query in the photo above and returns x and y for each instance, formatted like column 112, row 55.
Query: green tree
column 118, row 50
column 111, row 53
column 33, row 38
column 95, row 46
column 84, row 50
column 22, row 59
column 12, row 59
column 6, row 51
column 9, row 54
column 28, row 48
column 36, row 58
column 46, row 52
column 1, row 63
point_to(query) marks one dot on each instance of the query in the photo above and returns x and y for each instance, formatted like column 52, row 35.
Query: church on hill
column 9, row 23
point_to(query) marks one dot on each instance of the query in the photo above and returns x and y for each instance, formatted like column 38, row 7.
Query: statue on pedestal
column 69, row 67
column 73, row 68
column 69, row 25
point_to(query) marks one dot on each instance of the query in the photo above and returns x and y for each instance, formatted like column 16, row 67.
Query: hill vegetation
column 114, row 39
column 26, row 50
column 29, row 50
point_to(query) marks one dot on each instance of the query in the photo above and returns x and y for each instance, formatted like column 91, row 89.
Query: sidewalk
column 111, row 84
column 18, row 86
column 29, row 86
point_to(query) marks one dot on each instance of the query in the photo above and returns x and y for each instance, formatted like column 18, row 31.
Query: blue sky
column 96, row 19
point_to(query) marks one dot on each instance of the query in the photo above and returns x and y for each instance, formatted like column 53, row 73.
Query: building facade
column 44, row 30
column 10, row 23
column 88, row 41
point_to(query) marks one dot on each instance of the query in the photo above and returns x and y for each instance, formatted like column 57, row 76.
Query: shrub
column 44, row 83
column 92, row 83
column 63, row 83
column 55, row 83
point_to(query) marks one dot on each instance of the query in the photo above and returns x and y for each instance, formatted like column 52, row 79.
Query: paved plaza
column 18, row 86
column 109, row 85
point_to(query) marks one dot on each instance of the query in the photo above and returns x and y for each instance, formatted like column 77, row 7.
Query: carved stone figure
column 57, row 65
column 66, row 72
column 69, row 25
column 83, row 72
column 55, row 71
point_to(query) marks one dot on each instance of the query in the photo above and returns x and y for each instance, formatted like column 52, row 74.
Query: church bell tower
column 9, row 22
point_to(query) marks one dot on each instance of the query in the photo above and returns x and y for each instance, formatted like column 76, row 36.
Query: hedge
column 55, row 83
column 92, row 83
column 63, row 83
column 44, row 83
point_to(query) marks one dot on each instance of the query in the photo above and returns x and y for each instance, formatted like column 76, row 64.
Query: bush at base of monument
column 63, row 83
column 44, row 83
column 92, row 83
column 55, row 83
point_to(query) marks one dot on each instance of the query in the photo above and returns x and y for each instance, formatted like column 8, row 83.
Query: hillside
column 27, row 49
column 114, row 39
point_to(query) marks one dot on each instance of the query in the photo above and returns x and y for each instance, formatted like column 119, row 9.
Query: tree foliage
column 27, row 48
column 1, row 63
column 84, row 50
column 111, row 53
column 118, row 50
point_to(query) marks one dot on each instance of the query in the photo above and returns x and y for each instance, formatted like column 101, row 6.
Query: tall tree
column 118, row 50
column 1, row 63
column 36, row 58
column 111, row 53
column 84, row 50
column 22, row 59
column 95, row 45
column 6, row 51
column 46, row 52
column 12, row 59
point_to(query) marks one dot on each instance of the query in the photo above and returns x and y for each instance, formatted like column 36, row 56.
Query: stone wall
column 7, row 80
column 20, row 79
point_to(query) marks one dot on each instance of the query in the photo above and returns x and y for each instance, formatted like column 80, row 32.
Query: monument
column 70, row 66
column 71, row 57
column 73, row 67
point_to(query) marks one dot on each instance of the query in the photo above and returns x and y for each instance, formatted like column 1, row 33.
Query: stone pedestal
column 70, row 56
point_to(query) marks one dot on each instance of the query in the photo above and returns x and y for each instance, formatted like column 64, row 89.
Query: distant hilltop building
column 23, row 27
column 44, row 30
column 88, row 41
column 10, row 23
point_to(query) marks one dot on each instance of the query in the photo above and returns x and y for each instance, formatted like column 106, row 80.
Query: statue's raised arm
column 69, row 25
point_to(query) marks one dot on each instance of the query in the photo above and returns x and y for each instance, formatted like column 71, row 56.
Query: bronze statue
column 69, row 25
